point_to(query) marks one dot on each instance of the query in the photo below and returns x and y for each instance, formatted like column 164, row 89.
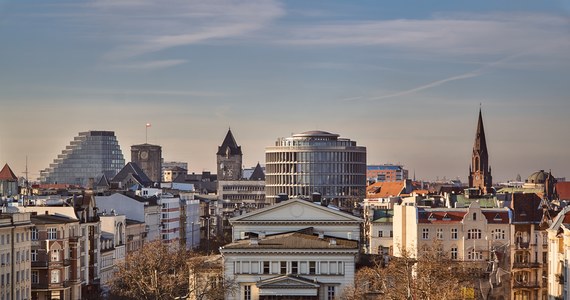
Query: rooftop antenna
column 146, row 133
column 27, row 183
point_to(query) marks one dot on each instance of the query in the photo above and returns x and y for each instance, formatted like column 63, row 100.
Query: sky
column 406, row 79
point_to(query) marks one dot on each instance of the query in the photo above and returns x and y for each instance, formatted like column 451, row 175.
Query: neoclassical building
column 316, row 162
column 292, row 250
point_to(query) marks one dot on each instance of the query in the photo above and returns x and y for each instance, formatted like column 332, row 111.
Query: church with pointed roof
column 8, row 182
column 479, row 170
column 229, row 159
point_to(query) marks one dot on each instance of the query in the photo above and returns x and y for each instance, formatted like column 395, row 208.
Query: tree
column 207, row 280
column 156, row 271
column 432, row 274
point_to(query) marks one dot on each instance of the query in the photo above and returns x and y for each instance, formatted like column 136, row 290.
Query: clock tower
column 479, row 170
column 229, row 159
column 149, row 158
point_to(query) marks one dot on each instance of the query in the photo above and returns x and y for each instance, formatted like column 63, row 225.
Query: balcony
column 522, row 245
column 526, row 265
column 50, row 264
column 49, row 286
column 527, row 284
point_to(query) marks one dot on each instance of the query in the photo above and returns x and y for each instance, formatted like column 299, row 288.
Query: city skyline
column 403, row 79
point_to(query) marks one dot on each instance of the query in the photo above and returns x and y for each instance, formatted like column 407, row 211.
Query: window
column 425, row 233
column 474, row 234
column 474, row 255
column 294, row 267
column 453, row 252
column 312, row 267
column 391, row 233
column 498, row 234
column 34, row 255
column 247, row 292
column 330, row 293
column 453, row 233
column 439, row 233
column 380, row 233
column 283, row 267
column 474, row 216
column 265, row 267
column 35, row 277
column 52, row 233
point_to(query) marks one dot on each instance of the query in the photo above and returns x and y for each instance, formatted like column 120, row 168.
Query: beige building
column 55, row 257
column 292, row 250
column 15, row 264
column 559, row 256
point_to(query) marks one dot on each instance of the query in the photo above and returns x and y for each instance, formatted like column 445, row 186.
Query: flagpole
column 146, row 133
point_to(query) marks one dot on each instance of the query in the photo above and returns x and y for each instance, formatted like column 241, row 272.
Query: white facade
column 15, row 261
column 113, row 250
column 169, row 218
column 192, row 222
column 294, row 248
column 559, row 256
column 139, row 210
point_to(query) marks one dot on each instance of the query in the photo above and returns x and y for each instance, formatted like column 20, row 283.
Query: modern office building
column 149, row 158
column 316, row 162
column 386, row 172
column 90, row 155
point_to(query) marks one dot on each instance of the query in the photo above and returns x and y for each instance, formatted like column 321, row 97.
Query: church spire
column 229, row 144
column 480, row 144
column 479, row 171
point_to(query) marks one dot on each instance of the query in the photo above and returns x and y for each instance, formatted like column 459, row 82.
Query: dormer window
column 431, row 217
column 497, row 218
column 446, row 217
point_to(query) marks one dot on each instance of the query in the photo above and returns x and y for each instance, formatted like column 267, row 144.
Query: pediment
column 287, row 281
column 296, row 210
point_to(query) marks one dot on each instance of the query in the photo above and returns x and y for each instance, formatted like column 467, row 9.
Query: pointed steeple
column 480, row 144
column 7, row 174
column 229, row 146
column 257, row 173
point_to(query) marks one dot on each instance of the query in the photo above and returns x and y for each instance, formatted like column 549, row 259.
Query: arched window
column 474, row 234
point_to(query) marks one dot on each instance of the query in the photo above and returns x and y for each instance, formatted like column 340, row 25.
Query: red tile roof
column 7, row 174
column 563, row 190
column 385, row 189
column 440, row 217
column 496, row 217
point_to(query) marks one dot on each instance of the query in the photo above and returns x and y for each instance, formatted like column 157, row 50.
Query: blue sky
column 403, row 78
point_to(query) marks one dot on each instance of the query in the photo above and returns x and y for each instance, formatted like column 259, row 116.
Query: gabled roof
column 288, row 281
column 295, row 210
column 229, row 143
column 294, row 240
column 103, row 182
column 385, row 189
column 563, row 190
column 257, row 173
column 6, row 174
column 134, row 170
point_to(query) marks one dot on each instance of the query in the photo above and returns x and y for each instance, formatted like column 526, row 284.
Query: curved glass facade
column 89, row 155
column 316, row 162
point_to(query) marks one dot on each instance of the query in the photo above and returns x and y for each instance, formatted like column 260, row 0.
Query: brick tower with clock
column 479, row 170
column 149, row 158
column 229, row 159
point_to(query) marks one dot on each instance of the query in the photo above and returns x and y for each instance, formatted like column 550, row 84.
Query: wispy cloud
column 144, row 27
column 149, row 65
column 471, row 74
column 487, row 34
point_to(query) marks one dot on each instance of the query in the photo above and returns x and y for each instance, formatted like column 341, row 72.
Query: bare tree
column 156, row 271
column 432, row 274
column 207, row 280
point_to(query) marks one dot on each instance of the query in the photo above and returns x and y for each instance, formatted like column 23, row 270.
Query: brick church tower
column 229, row 159
column 479, row 170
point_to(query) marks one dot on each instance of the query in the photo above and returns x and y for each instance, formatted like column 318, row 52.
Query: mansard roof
column 231, row 144
column 6, row 174
column 257, row 173
column 526, row 208
column 294, row 240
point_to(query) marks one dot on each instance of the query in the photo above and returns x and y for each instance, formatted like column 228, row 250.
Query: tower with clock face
column 149, row 158
column 229, row 159
column 479, row 170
